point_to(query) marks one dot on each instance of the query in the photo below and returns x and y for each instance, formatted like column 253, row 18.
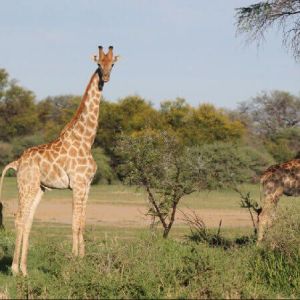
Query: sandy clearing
column 127, row 215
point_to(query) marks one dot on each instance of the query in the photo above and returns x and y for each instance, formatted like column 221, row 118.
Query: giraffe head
column 105, row 62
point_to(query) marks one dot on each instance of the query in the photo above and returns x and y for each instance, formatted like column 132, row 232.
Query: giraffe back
column 285, row 176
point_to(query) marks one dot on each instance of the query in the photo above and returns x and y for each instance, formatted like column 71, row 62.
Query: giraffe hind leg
column 267, row 214
column 28, row 219
column 24, row 220
column 19, row 229
column 28, row 178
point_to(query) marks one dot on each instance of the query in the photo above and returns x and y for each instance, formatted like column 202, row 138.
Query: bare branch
column 255, row 20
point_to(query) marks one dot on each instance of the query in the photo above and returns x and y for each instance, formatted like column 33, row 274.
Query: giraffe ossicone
column 65, row 163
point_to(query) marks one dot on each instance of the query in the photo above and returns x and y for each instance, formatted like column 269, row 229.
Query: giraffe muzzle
column 105, row 78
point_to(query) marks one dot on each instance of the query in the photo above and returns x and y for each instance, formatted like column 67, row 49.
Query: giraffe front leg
column 79, row 207
column 82, row 223
column 266, row 217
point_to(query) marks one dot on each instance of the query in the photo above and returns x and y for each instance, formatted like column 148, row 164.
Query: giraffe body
column 65, row 163
column 278, row 180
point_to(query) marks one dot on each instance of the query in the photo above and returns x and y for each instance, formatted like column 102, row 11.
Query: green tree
column 156, row 162
column 195, row 126
column 18, row 116
column 168, row 170
column 209, row 125
column 285, row 144
column 104, row 170
column 271, row 112
column 129, row 115
column 175, row 113
column 55, row 112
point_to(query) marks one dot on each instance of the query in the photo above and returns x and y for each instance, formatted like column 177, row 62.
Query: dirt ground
column 127, row 215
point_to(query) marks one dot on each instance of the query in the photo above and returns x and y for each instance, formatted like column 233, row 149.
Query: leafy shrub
column 284, row 234
column 104, row 170
column 6, row 154
column 114, row 269
column 277, row 263
column 21, row 143
column 222, row 165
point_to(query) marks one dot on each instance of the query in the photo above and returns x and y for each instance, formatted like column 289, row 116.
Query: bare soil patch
column 127, row 215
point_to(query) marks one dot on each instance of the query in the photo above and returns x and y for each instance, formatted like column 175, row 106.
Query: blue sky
column 169, row 49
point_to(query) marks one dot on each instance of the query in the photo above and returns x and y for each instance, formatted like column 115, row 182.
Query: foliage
column 205, row 124
column 55, row 112
column 18, row 114
column 251, row 205
column 22, row 143
column 104, row 171
column 285, row 144
column 6, row 153
column 130, row 115
column 277, row 263
column 254, row 21
column 157, row 162
column 114, row 270
column 272, row 112
column 261, row 136
column 199, row 233
column 284, row 235
column 273, row 119
column 222, row 165
column 258, row 160
column 170, row 268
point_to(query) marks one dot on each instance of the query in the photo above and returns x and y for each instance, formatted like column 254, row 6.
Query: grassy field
column 120, row 194
column 137, row 263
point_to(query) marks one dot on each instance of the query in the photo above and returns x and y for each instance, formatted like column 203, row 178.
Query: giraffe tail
column 13, row 165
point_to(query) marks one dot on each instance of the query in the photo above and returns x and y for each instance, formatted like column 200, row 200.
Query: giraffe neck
column 83, row 125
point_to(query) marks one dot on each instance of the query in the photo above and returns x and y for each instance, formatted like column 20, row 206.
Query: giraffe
column 65, row 163
column 277, row 180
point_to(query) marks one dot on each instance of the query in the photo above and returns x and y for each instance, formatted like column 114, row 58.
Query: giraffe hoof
column 23, row 271
column 15, row 270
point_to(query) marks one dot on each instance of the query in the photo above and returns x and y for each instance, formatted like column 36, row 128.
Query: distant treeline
column 267, row 125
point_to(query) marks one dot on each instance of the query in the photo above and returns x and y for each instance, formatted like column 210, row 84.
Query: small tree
column 167, row 171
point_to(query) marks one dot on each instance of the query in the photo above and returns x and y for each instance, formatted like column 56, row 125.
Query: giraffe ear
column 116, row 58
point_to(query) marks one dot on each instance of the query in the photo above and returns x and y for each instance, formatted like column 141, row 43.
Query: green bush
column 104, row 170
column 277, row 263
column 22, row 143
column 148, row 267
column 6, row 153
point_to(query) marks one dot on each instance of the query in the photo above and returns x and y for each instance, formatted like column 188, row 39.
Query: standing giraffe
column 65, row 163
column 278, row 180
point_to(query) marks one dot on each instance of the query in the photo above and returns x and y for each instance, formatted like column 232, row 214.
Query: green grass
column 140, row 264
column 119, row 194
column 137, row 263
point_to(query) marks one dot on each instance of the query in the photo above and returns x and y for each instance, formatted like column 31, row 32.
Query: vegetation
column 266, row 127
column 172, row 152
column 175, row 268
column 157, row 162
